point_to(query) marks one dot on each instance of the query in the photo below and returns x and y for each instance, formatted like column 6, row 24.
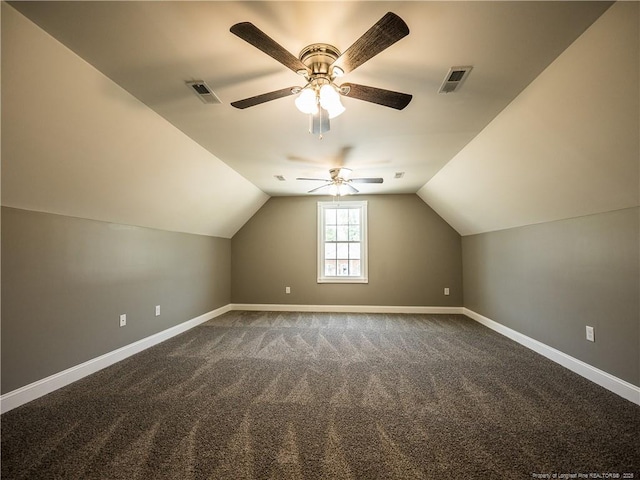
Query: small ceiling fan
column 321, row 64
column 340, row 182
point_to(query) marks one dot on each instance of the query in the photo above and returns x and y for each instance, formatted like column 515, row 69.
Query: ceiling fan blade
column 248, row 32
column 265, row 97
column 318, row 188
column 366, row 180
column 388, row 98
column 386, row 31
column 314, row 179
column 352, row 188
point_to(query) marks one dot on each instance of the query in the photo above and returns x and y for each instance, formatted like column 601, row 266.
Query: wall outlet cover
column 123, row 319
column 590, row 334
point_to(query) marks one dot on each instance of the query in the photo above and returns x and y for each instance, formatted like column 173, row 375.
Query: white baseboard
column 600, row 377
column 278, row 307
column 58, row 380
column 37, row 389
column 49, row 384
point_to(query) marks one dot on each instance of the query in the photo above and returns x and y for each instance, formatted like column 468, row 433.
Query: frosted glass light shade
column 338, row 190
column 307, row 102
column 330, row 100
column 336, row 110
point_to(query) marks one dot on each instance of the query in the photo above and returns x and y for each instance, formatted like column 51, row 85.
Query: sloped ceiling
column 106, row 128
column 567, row 146
column 77, row 144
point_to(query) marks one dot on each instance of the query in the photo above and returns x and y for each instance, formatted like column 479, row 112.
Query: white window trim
column 364, row 253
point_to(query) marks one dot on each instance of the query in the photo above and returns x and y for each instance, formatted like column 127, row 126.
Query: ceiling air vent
column 454, row 79
column 204, row 93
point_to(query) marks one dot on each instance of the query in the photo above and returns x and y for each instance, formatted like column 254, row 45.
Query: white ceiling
column 97, row 121
column 75, row 143
column 152, row 48
column 568, row 146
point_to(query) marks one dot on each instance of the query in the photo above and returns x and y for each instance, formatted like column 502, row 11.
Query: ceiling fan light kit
column 306, row 101
column 329, row 99
column 339, row 190
column 320, row 64
column 340, row 182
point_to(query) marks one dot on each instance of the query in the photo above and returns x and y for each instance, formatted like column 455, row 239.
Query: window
column 342, row 242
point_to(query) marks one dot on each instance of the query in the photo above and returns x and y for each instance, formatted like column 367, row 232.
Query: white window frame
column 364, row 270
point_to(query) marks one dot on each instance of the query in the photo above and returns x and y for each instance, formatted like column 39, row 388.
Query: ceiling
column 151, row 49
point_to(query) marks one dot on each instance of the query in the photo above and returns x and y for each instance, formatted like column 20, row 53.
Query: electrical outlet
column 590, row 334
column 287, row 289
column 446, row 290
column 123, row 320
column 157, row 310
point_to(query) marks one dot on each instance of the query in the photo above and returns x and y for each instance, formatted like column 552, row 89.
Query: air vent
column 399, row 175
column 454, row 79
column 280, row 178
column 204, row 93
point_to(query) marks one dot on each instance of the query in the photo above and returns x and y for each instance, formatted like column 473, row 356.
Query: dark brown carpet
column 255, row 395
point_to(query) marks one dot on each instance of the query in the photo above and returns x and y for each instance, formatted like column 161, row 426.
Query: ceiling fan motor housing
column 318, row 57
column 340, row 173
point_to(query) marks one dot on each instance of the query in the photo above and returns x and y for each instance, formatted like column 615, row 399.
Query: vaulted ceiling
column 98, row 121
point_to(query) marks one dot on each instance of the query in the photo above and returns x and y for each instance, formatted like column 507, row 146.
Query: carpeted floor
column 258, row 395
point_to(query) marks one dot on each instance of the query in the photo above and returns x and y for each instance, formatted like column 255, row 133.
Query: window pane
column 330, row 268
column 343, row 250
column 330, row 250
column 343, row 268
column 354, row 233
column 330, row 234
column 354, row 267
column 342, row 242
column 330, row 216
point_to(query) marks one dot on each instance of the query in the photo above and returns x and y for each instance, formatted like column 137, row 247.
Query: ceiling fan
column 320, row 64
column 340, row 182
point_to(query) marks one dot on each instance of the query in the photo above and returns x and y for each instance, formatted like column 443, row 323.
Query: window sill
column 343, row 280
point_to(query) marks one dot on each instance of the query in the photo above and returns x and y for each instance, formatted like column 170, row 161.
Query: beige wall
column 413, row 255
column 65, row 281
column 549, row 281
